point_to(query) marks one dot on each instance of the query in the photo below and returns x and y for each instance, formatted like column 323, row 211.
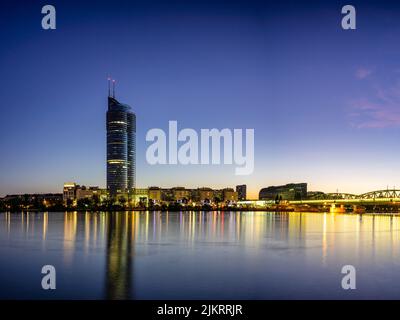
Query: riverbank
column 222, row 210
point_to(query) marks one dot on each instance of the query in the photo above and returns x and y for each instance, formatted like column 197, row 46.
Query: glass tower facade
column 121, row 147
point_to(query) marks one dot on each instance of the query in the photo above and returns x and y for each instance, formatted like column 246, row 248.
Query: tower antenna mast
column 109, row 86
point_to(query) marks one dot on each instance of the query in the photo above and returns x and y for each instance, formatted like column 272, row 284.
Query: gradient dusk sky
column 324, row 102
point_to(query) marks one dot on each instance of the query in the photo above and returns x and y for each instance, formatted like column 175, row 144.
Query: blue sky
column 324, row 102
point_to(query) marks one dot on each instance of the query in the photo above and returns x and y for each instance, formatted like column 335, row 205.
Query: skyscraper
column 121, row 146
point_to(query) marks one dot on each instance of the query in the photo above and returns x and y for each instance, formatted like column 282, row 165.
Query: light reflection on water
column 199, row 255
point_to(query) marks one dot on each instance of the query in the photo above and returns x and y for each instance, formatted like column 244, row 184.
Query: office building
column 242, row 192
column 121, row 147
column 292, row 191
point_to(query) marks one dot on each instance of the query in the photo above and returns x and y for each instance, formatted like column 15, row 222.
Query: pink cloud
column 362, row 73
column 381, row 111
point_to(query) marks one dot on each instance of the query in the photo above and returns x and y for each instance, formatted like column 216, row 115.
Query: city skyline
column 324, row 104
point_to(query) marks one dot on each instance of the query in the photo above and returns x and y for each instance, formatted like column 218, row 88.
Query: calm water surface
column 209, row 255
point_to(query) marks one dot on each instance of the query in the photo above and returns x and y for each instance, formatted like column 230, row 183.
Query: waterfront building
column 197, row 196
column 291, row 191
column 155, row 194
column 204, row 195
column 89, row 192
column 242, row 192
column 140, row 197
column 74, row 192
column 121, row 147
column 180, row 194
column 69, row 192
column 229, row 195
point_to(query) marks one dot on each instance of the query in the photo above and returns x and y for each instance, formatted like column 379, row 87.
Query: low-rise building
column 291, row 191
column 140, row 197
column 69, row 192
column 205, row 195
column 229, row 195
column 73, row 192
column 180, row 194
column 154, row 194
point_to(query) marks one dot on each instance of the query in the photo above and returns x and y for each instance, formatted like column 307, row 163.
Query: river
column 199, row 255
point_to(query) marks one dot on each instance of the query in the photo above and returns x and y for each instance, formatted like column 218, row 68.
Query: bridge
column 379, row 196
column 336, row 202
